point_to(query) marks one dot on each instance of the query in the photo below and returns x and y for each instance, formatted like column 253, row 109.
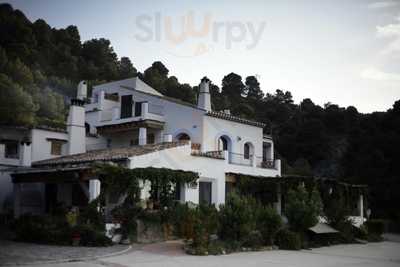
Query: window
column 126, row 106
column 11, row 149
column 205, row 189
column 138, row 109
column 150, row 138
column 247, row 151
column 56, row 148
column 108, row 143
column 222, row 144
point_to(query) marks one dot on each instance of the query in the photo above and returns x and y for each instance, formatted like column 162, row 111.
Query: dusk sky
column 344, row 52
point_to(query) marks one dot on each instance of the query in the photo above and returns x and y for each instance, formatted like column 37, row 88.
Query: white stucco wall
column 209, row 170
column 239, row 134
column 41, row 146
column 178, row 118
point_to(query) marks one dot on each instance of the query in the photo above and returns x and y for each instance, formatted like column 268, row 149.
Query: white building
column 129, row 122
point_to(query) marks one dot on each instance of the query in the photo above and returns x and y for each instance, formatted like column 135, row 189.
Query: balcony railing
column 147, row 111
column 240, row 159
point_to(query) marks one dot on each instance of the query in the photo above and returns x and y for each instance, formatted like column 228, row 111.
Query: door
column 50, row 192
column 138, row 109
column 126, row 106
column 205, row 189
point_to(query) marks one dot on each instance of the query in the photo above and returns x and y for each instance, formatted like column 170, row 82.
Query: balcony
column 251, row 160
column 146, row 111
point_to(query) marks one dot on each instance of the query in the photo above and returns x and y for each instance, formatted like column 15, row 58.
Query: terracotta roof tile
column 225, row 116
column 114, row 154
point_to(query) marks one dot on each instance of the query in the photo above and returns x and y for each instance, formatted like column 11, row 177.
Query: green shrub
column 254, row 240
column 91, row 215
column 286, row 239
column 303, row 208
column 376, row 226
column 89, row 236
column 268, row 223
column 237, row 218
column 42, row 229
column 347, row 231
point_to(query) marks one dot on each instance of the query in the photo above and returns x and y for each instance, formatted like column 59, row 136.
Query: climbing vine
column 120, row 181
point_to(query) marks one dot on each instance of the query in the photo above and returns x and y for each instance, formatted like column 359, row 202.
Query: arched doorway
column 182, row 137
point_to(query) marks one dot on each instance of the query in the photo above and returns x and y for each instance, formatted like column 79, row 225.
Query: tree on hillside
column 16, row 106
column 126, row 68
column 254, row 92
column 156, row 76
column 101, row 60
column 233, row 89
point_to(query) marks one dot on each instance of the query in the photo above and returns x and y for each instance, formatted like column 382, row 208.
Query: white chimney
column 82, row 91
column 76, row 122
column 204, row 100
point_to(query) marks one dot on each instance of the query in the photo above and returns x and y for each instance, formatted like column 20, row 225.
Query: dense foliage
column 303, row 208
column 40, row 66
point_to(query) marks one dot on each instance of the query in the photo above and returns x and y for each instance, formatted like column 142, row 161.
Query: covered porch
column 49, row 191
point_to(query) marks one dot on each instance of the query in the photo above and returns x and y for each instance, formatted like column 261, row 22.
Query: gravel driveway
column 169, row 254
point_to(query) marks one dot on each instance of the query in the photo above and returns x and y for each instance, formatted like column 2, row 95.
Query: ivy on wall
column 118, row 180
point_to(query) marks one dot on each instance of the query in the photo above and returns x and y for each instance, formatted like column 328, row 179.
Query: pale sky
column 344, row 52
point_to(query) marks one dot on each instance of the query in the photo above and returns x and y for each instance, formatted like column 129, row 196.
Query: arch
column 248, row 150
column 182, row 135
column 224, row 143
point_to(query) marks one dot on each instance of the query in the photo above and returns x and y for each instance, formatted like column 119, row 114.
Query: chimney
column 76, row 122
column 204, row 100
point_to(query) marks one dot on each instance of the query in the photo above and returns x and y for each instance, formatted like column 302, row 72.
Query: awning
column 322, row 228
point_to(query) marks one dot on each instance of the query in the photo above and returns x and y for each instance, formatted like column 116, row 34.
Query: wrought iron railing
column 240, row 159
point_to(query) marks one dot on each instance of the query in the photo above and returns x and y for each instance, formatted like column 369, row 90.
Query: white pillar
column 94, row 189
column 145, row 109
column 361, row 205
column 277, row 164
column 101, row 100
column 142, row 136
column 26, row 154
column 17, row 199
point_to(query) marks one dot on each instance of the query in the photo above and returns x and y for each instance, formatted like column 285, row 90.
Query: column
column 94, row 189
column 361, row 206
column 142, row 136
column 25, row 154
column 145, row 109
column 17, row 199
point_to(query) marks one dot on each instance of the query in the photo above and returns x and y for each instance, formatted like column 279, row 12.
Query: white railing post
column 145, row 110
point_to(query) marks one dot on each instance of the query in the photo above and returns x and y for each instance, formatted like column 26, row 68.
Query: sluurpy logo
column 186, row 36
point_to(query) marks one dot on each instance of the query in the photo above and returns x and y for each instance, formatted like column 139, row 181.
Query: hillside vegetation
column 40, row 67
